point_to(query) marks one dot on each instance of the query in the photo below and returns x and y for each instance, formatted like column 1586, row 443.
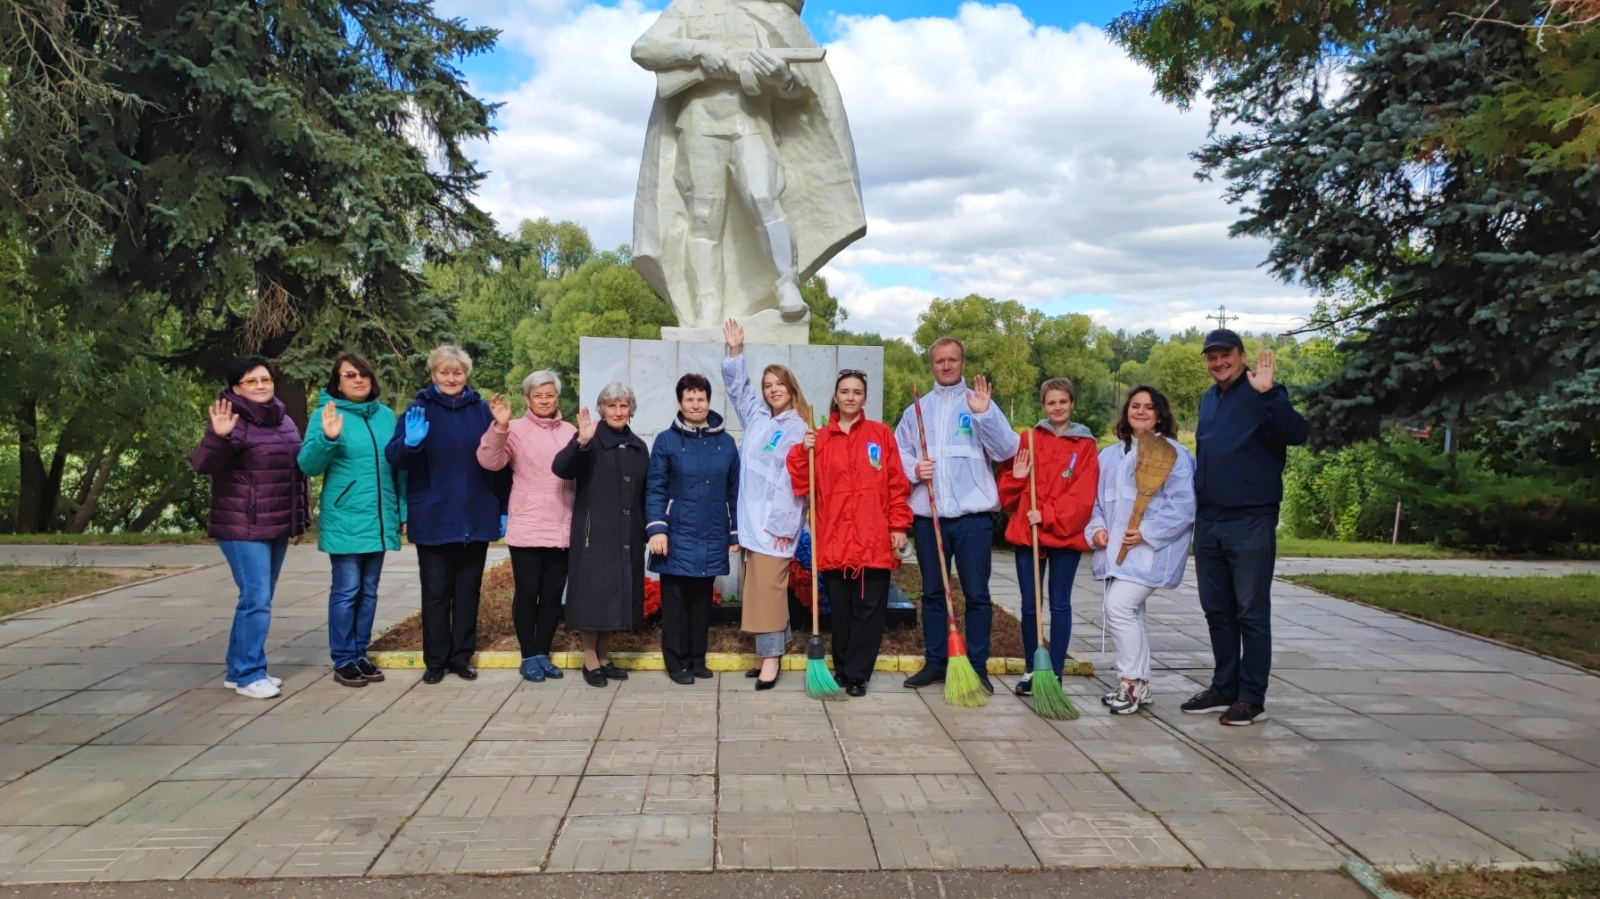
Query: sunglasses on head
column 852, row 373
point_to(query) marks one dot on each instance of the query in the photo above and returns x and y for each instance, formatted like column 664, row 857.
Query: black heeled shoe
column 753, row 673
column 769, row 684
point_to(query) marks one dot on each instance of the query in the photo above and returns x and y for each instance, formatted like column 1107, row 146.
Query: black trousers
column 685, row 621
column 540, row 574
column 860, row 607
column 452, row 578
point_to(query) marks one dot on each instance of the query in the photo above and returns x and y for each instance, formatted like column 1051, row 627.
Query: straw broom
column 1049, row 700
column 961, row 684
column 819, row 680
column 1156, row 458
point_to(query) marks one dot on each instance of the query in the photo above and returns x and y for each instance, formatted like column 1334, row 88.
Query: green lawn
column 1580, row 877
column 145, row 539
column 24, row 587
column 1557, row 616
column 1342, row 549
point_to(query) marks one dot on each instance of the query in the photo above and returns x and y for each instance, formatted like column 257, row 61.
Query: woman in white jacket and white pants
column 769, row 515
column 1158, row 547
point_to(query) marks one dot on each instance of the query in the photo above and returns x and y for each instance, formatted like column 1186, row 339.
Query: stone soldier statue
column 749, row 182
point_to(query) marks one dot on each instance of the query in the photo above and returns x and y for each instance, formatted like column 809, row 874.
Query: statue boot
column 705, row 281
column 780, row 237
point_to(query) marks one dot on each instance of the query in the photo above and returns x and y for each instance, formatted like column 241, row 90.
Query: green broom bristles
column 961, row 685
column 819, row 680
column 1049, row 700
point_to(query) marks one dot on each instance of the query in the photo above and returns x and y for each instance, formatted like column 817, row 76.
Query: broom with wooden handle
column 819, row 680
column 961, row 684
column 1156, row 458
column 1049, row 700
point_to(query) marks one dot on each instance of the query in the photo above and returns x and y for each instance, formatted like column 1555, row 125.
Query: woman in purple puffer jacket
column 259, row 499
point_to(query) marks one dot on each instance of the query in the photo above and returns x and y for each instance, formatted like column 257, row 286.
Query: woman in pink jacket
column 539, row 525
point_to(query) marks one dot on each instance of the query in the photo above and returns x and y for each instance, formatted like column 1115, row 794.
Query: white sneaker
column 276, row 682
column 1129, row 697
column 261, row 689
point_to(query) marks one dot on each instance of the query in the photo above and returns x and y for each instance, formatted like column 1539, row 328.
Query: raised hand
column 733, row 336
column 658, row 545
column 332, row 421
column 980, row 394
column 586, row 426
column 501, row 410
column 1266, row 368
column 1022, row 464
column 223, row 418
column 416, row 426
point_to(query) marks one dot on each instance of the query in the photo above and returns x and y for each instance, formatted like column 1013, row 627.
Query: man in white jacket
column 967, row 435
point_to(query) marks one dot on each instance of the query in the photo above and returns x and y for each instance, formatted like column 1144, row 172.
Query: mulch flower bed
column 496, row 632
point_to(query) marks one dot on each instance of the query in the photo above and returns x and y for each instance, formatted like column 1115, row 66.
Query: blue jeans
column 255, row 565
column 1233, row 560
column 1058, row 567
column 967, row 540
column 352, row 603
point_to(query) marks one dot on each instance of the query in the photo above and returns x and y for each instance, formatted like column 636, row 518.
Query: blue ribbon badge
column 875, row 455
column 772, row 445
column 964, row 425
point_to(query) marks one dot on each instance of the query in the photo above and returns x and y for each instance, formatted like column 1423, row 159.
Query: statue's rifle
column 671, row 82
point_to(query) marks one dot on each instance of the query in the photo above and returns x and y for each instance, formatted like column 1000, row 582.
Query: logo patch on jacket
column 875, row 455
column 964, row 425
column 772, row 445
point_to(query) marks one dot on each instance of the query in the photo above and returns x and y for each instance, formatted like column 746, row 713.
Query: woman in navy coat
column 689, row 500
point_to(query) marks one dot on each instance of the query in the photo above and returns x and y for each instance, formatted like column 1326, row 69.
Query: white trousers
column 1123, row 614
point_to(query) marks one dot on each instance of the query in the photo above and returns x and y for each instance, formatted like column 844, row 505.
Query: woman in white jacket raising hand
column 1158, row 548
column 769, row 515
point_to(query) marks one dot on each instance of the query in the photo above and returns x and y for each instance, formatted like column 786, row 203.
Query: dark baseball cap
column 1222, row 339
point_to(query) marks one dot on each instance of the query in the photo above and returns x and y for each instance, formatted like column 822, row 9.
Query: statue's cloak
column 822, row 186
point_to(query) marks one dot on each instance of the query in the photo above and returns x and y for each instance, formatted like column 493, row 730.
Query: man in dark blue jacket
column 1246, row 427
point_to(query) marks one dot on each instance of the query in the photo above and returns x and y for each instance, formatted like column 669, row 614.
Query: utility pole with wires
column 1222, row 317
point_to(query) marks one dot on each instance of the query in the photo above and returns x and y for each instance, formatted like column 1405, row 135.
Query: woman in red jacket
column 1068, row 466
column 862, row 516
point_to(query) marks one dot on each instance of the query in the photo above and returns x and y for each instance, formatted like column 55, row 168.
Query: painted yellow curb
column 716, row 661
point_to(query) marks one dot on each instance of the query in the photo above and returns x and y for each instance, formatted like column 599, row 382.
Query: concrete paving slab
column 299, row 848
column 1102, row 840
column 18, row 702
column 1025, row 757
column 887, row 756
column 350, row 798
column 523, row 758
column 634, row 843
column 1121, row 756
column 779, row 757
column 1513, row 756
column 1415, row 837
column 787, row 793
column 895, row 794
column 1566, row 792
column 1542, row 836
column 1337, row 791
column 642, row 794
column 1195, row 794
column 1443, row 727
column 405, row 758
column 1252, row 840
column 460, row 845
column 80, row 787
column 1470, row 792
column 18, row 760
column 968, row 839
column 262, row 760
column 807, row 724
column 1018, row 793
column 64, row 677
column 633, row 757
column 500, row 797
column 20, row 845
column 822, row 841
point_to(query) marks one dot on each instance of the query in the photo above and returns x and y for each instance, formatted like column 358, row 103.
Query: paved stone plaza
column 122, row 757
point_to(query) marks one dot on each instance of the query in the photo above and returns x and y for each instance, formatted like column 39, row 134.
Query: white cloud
column 1002, row 159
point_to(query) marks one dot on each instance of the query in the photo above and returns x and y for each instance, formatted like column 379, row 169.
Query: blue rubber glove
column 502, row 525
column 416, row 426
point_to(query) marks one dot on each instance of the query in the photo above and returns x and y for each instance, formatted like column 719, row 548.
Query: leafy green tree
column 1434, row 172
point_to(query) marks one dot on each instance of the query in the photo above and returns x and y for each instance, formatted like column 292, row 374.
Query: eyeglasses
column 256, row 382
column 353, row 375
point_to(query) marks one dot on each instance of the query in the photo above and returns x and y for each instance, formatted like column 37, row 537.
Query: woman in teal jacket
column 362, row 509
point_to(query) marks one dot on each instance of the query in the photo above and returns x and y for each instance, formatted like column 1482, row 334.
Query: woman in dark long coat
column 605, row 579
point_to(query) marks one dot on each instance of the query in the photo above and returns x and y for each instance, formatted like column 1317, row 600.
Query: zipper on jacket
column 344, row 493
column 586, row 523
column 377, row 475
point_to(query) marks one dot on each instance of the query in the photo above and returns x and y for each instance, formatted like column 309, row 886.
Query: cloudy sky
column 1006, row 149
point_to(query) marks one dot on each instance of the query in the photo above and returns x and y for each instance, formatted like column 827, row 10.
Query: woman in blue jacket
column 689, row 502
column 360, row 516
column 454, row 509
